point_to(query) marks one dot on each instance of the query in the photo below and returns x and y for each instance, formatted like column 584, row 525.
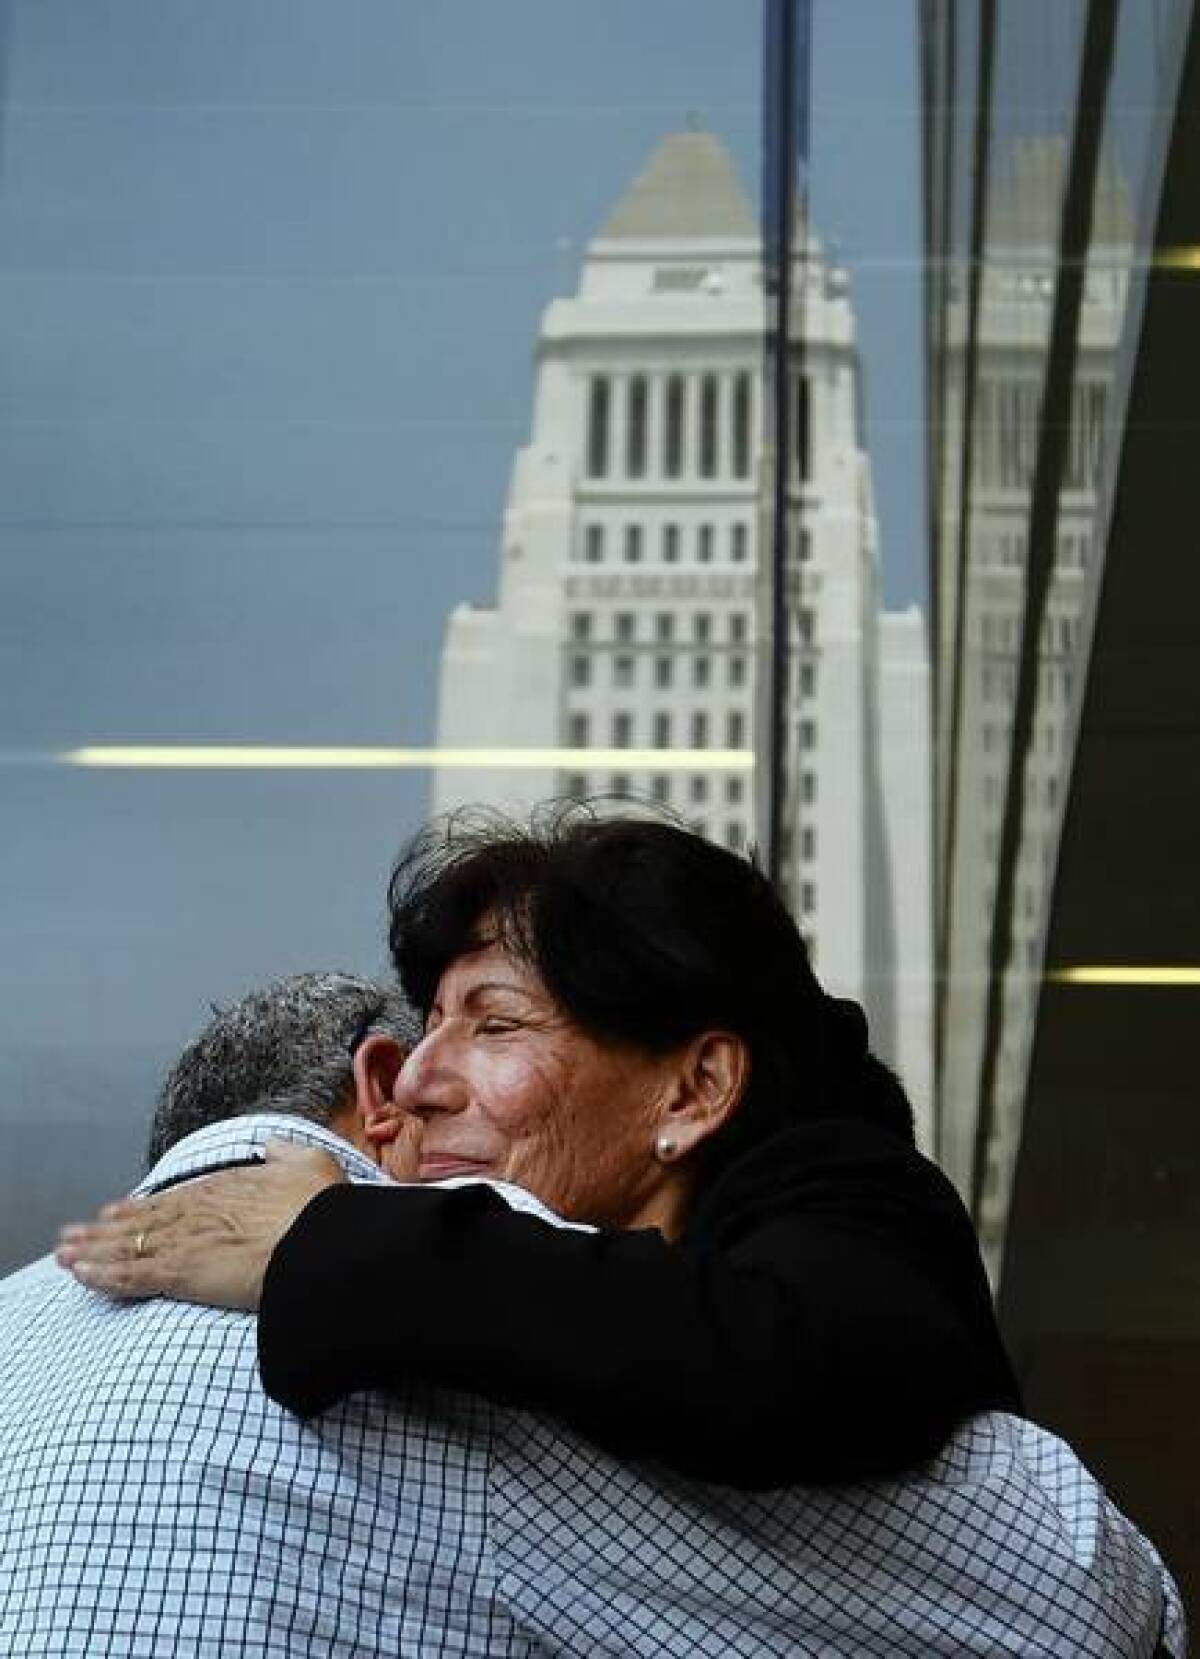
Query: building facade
column 623, row 640
column 982, row 615
column 1062, row 173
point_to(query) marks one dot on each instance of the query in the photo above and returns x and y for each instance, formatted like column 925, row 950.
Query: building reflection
column 1062, row 159
column 632, row 576
column 991, row 520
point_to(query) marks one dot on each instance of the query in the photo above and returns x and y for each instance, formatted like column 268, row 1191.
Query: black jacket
column 825, row 1316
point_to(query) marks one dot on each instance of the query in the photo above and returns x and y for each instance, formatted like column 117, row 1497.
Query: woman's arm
column 825, row 1318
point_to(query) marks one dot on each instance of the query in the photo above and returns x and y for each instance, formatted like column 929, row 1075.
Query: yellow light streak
column 298, row 757
column 1177, row 259
column 1117, row 975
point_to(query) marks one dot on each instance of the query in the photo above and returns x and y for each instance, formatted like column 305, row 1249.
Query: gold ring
column 139, row 1246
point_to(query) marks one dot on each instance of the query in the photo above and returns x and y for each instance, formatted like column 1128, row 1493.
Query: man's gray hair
column 286, row 1046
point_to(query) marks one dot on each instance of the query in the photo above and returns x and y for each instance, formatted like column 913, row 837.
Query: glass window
column 576, row 786
column 662, row 731
column 620, row 784
column 739, row 542
column 660, row 788
column 664, row 625
column 271, row 387
column 698, row 789
column 699, row 730
column 633, row 543
column 808, row 843
column 635, row 426
column 742, row 394
column 599, row 398
column 739, row 627
column 735, row 789
column 674, row 427
column 801, row 436
column 735, row 733
column 704, row 544
column 622, row 731
column 735, row 835
column 701, row 670
column 737, row 671
column 702, row 627
column 710, row 424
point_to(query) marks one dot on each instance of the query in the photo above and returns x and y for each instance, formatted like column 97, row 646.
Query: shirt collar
column 242, row 1139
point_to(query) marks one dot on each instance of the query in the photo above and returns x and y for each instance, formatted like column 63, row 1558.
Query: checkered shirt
column 1002, row 1545
column 153, row 1500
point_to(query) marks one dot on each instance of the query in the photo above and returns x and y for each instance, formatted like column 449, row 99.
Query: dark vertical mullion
column 938, row 97
column 954, row 691
column 939, row 80
column 786, row 59
column 1053, row 437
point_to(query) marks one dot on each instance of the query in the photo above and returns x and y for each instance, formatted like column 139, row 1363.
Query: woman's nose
column 429, row 1081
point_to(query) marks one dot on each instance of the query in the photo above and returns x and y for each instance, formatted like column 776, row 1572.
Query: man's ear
column 377, row 1062
column 714, row 1069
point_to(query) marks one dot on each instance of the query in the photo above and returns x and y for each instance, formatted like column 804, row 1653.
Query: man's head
column 295, row 1045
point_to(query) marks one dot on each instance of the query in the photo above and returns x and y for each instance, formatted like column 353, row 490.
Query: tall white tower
column 625, row 617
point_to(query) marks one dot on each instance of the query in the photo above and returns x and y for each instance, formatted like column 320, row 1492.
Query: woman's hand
column 207, row 1241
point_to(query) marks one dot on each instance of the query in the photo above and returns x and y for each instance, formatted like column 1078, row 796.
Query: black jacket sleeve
column 825, row 1317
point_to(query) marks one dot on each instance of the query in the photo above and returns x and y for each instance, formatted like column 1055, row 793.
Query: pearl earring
column 666, row 1148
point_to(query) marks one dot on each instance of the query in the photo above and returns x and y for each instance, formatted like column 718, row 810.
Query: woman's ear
column 377, row 1062
column 713, row 1073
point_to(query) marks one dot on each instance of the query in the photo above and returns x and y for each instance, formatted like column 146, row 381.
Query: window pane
column 741, row 425
column 675, row 427
column 801, row 437
column 598, row 413
column 635, row 427
column 710, row 425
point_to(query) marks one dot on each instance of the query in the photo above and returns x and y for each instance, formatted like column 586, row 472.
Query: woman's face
column 508, row 1086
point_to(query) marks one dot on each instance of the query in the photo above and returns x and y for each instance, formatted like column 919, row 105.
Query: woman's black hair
column 647, row 934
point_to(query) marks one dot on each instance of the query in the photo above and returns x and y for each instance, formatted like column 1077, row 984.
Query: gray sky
column 271, row 272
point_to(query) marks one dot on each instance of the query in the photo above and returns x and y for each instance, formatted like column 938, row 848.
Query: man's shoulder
column 35, row 1279
column 242, row 1140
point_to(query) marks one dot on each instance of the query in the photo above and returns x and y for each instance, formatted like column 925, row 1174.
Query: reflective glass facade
column 1070, row 128
column 405, row 413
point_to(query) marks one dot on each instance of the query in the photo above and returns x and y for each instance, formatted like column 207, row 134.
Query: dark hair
column 645, row 933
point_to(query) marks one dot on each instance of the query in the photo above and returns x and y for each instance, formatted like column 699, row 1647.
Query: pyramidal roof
column 689, row 188
column 1027, row 202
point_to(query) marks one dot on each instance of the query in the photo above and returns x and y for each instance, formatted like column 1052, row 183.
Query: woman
column 623, row 1019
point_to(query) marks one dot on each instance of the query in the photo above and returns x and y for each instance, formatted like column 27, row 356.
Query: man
column 153, row 1499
